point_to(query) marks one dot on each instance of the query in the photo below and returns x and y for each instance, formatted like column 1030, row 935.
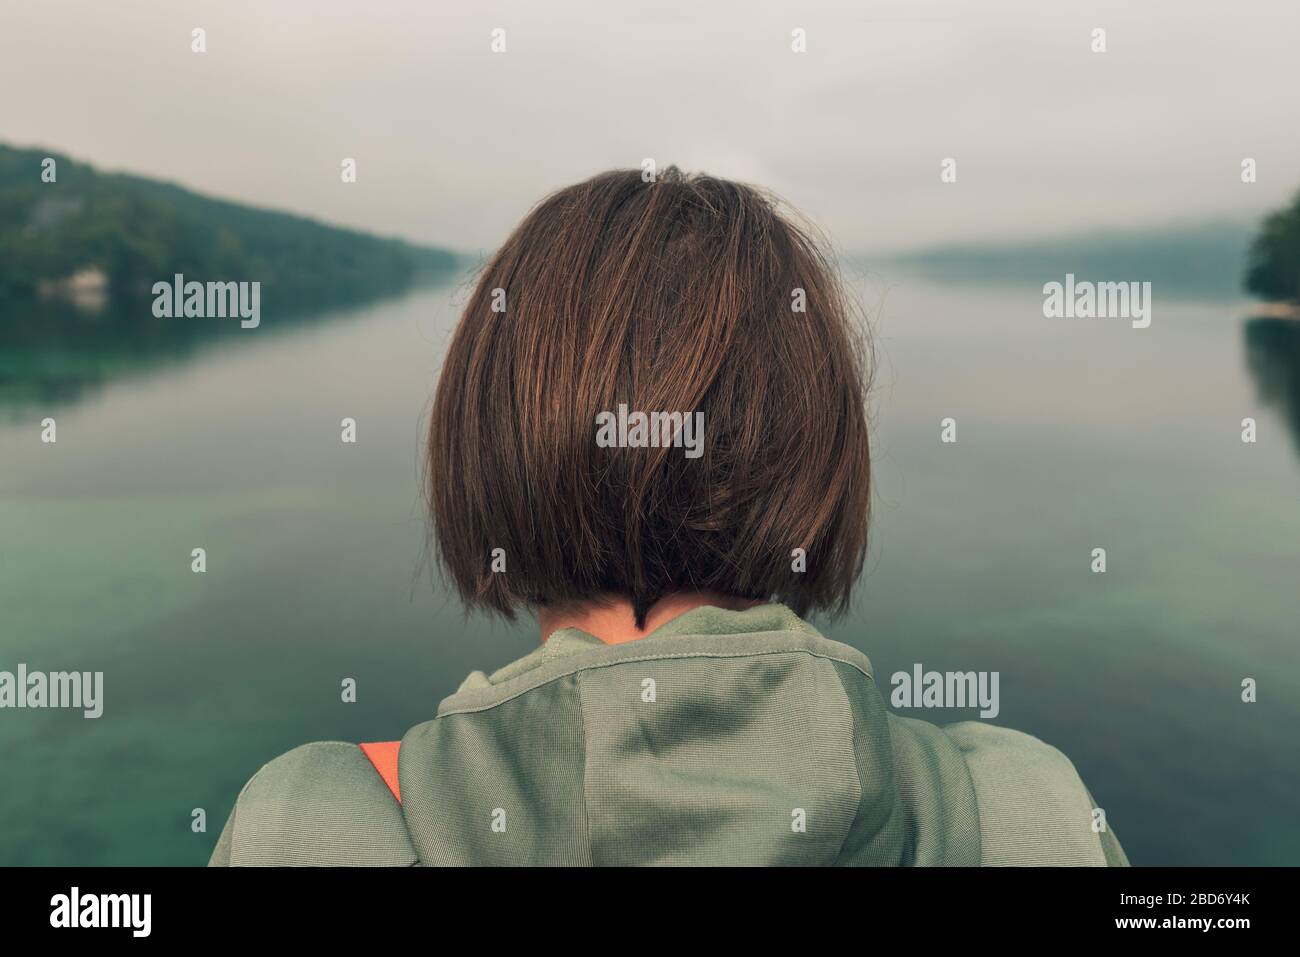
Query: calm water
column 1070, row 436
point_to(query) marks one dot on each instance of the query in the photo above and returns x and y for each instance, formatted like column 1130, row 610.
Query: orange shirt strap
column 383, row 755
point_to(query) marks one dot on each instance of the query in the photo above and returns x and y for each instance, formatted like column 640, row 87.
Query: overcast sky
column 454, row 142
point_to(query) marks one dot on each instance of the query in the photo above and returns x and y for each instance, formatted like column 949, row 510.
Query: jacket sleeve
column 320, row 804
column 1033, row 808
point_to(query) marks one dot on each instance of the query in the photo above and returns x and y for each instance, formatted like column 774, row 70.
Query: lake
column 1071, row 435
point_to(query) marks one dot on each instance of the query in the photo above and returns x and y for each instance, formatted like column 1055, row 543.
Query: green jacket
column 722, row 738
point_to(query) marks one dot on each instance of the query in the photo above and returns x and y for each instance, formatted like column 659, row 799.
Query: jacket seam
column 474, row 709
column 857, row 773
column 586, row 805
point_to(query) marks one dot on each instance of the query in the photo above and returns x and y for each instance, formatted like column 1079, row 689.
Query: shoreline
column 1277, row 310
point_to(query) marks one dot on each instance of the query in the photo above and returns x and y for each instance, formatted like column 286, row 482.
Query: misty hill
column 1273, row 271
column 1202, row 260
column 135, row 232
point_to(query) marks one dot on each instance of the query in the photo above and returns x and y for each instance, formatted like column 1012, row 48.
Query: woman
column 650, row 432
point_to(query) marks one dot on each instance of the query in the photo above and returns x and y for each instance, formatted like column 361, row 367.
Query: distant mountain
column 126, row 232
column 1198, row 260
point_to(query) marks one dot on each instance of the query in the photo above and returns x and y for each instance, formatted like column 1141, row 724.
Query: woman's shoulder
column 1033, row 806
column 319, row 804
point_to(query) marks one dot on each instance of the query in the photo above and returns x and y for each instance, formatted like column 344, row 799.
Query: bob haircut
column 686, row 294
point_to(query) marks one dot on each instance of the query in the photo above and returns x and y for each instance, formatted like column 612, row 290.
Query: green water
column 1070, row 436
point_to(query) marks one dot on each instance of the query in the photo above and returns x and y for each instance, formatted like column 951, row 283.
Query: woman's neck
column 613, row 621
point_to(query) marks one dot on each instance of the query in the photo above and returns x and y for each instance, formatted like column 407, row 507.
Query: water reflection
column 60, row 350
column 1273, row 358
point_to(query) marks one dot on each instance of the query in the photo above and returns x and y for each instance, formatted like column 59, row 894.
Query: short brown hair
column 678, row 294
